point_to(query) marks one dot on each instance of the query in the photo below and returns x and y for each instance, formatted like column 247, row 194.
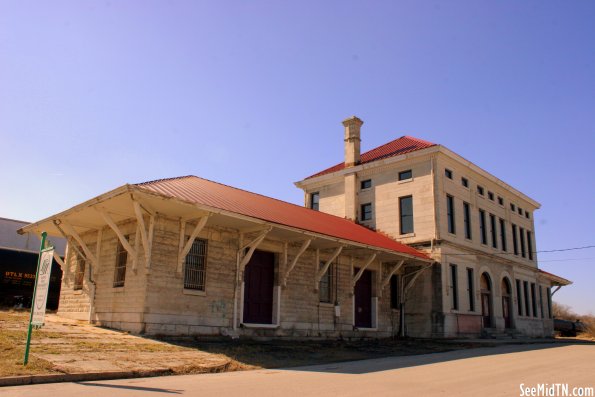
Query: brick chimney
column 352, row 140
column 352, row 153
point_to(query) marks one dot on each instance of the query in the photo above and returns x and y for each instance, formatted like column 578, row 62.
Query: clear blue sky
column 251, row 93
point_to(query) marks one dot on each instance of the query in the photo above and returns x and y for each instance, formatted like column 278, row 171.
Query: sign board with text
column 42, row 286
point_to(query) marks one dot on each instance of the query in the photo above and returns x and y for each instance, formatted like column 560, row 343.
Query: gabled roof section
column 402, row 145
column 218, row 196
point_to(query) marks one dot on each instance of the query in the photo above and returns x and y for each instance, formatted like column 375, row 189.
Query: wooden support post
column 143, row 230
column 302, row 249
column 321, row 272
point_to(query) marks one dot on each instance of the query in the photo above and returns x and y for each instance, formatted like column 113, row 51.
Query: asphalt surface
column 491, row 371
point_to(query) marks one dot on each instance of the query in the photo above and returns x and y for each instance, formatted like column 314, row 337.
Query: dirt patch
column 68, row 346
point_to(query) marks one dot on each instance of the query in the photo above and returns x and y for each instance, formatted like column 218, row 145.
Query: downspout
column 236, row 284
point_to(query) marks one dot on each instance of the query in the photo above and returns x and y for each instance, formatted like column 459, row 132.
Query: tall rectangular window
column 195, row 266
column 480, row 190
column 471, row 289
column 503, row 234
column 464, row 182
column 533, row 300
column 530, row 245
column 404, row 175
column 315, row 201
column 394, row 292
column 450, row 213
column 406, row 214
column 454, row 287
column 541, row 301
column 522, row 234
column 448, row 173
column 326, row 283
column 366, row 212
column 121, row 260
column 493, row 232
column 515, row 242
column 519, row 300
column 467, row 218
column 79, row 274
column 526, row 298
column 482, row 227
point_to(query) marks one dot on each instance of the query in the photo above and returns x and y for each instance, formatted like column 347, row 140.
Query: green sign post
column 40, row 291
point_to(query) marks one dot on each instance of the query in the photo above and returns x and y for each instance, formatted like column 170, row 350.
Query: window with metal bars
column 195, row 266
column 121, row 260
column 79, row 274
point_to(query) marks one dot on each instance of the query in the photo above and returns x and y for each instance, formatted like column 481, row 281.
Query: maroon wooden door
column 258, row 288
column 363, row 300
column 486, row 311
column 506, row 311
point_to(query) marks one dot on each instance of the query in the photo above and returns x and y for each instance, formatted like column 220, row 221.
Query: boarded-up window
column 121, row 261
column 195, row 266
column 79, row 274
column 325, row 286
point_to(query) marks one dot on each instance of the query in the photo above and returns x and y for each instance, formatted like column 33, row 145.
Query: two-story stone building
column 408, row 238
column 478, row 229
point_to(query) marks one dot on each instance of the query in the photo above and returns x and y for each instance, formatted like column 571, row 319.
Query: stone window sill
column 194, row 292
column 269, row 326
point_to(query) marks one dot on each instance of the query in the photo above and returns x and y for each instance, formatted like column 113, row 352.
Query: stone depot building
column 406, row 239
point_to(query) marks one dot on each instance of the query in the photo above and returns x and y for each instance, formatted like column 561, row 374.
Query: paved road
column 496, row 371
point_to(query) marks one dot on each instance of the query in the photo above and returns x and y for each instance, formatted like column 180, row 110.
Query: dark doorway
column 258, row 288
column 363, row 300
column 486, row 300
column 506, row 303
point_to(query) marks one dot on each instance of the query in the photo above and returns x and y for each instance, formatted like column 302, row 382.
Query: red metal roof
column 402, row 145
column 560, row 280
column 215, row 195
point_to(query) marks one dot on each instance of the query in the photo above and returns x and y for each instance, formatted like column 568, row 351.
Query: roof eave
column 101, row 198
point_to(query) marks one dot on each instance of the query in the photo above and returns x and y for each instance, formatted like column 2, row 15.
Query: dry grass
column 12, row 348
column 565, row 312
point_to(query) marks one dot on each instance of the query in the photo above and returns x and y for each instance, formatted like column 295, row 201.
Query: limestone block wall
column 120, row 307
column 73, row 303
column 170, row 309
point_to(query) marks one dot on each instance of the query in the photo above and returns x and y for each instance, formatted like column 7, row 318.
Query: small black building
column 18, row 263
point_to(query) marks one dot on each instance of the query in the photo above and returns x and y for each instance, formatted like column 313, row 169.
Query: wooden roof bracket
column 324, row 268
column 297, row 256
column 252, row 247
column 361, row 270
column 70, row 231
column 386, row 279
column 110, row 222
column 147, row 237
column 184, row 247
